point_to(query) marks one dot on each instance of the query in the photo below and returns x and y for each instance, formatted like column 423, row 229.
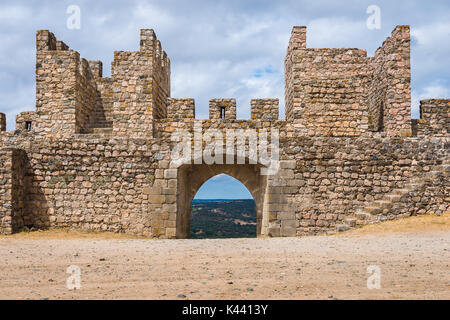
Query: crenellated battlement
column 328, row 92
column 342, row 92
column 434, row 118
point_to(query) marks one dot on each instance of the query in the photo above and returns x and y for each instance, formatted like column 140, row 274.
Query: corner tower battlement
column 342, row 92
column 73, row 97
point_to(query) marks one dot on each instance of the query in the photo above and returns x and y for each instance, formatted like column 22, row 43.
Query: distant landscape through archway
column 192, row 177
column 223, row 208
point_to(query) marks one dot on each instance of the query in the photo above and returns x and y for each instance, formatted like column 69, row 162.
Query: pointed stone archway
column 191, row 177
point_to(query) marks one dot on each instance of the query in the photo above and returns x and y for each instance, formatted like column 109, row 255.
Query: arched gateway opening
column 223, row 208
column 192, row 177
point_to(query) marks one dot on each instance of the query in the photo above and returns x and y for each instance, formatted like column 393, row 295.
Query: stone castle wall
column 128, row 185
column 342, row 92
column 96, row 154
column 180, row 109
column 434, row 118
column 264, row 109
column 13, row 190
column 389, row 89
column 222, row 109
column 325, row 89
column 66, row 92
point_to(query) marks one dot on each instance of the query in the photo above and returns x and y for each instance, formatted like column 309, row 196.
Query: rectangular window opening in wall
column 381, row 118
column 222, row 112
column 28, row 125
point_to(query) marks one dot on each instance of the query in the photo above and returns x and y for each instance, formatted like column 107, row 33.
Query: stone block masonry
column 389, row 85
column 434, row 118
column 222, row 109
column 13, row 190
column 24, row 120
column 96, row 153
column 180, row 109
column 264, row 109
column 342, row 92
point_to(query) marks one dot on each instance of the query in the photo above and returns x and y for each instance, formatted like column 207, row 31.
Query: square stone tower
column 342, row 92
column 141, row 87
column 73, row 97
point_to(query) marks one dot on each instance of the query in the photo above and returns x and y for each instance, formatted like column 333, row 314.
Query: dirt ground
column 413, row 256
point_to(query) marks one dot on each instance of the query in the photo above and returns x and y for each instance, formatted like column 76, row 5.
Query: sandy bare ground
column 413, row 256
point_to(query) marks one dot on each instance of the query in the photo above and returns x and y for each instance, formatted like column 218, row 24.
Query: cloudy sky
column 232, row 48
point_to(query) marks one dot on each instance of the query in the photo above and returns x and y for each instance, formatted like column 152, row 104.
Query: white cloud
column 245, row 31
column 335, row 32
column 432, row 34
column 146, row 15
column 13, row 14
